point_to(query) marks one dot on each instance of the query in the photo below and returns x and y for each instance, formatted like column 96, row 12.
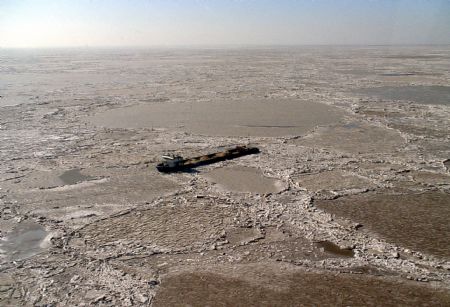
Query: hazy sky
column 46, row 23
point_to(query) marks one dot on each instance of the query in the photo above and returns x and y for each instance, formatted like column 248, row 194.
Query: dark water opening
column 73, row 177
column 421, row 94
column 447, row 164
column 351, row 126
column 334, row 249
column 398, row 74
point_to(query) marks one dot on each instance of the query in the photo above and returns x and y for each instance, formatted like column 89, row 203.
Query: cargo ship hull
column 185, row 164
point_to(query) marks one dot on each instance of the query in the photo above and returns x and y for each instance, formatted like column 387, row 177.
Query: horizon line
column 215, row 46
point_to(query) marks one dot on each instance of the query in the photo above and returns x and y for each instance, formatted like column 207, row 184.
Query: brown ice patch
column 380, row 112
column 356, row 72
column 408, row 78
column 355, row 138
column 267, row 286
column 377, row 166
column 244, row 179
column 335, row 180
column 418, row 56
column 174, row 227
column 433, row 94
column 430, row 178
column 417, row 221
column 248, row 117
column 442, row 132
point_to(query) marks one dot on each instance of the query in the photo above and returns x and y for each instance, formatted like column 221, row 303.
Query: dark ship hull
column 189, row 163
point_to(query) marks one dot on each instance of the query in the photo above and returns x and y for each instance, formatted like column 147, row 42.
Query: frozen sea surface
column 417, row 93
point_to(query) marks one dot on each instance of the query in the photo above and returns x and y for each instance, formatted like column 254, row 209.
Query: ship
column 178, row 163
